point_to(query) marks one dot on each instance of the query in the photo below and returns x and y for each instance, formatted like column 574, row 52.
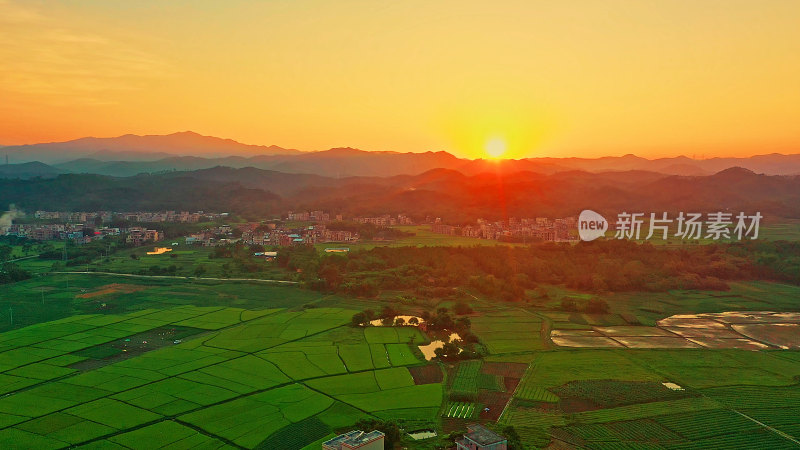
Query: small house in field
column 356, row 439
column 479, row 437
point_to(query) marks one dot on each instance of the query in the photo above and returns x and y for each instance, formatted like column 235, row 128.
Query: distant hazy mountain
column 132, row 147
column 130, row 155
column 458, row 197
column 28, row 170
column 771, row 164
column 86, row 192
column 446, row 193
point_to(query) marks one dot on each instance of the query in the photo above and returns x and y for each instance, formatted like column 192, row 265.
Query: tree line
column 507, row 273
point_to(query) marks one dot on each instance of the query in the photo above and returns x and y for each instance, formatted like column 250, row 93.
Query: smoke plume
column 8, row 217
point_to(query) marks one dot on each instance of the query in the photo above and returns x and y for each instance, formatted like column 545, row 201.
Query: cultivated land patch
column 247, row 377
column 747, row 330
column 428, row 374
column 511, row 331
column 113, row 288
column 622, row 399
column 289, row 378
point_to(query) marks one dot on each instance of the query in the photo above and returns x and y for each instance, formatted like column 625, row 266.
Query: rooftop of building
column 482, row 435
column 354, row 438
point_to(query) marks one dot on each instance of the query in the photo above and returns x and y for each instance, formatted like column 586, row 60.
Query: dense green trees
column 509, row 273
column 11, row 273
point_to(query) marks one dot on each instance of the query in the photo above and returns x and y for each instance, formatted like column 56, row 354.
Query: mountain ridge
column 132, row 154
column 450, row 194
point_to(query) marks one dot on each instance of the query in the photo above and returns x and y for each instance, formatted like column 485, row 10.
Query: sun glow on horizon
column 496, row 148
column 549, row 78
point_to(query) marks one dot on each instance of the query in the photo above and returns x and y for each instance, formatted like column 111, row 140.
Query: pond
column 379, row 322
column 422, row 434
column 430, row 350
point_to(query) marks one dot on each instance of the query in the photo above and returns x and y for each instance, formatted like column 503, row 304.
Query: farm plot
column 354, row 383
column 401, row 355
column 705, row 424
column 297, row 435
column 431, row 373
column 465, row 382
column 491, row 382
column 300, row 362
column 460, row 410
column 380, row 359
column 394, row 335
column 210, row 383
column 356, row 357
column 492, row 404
column 570, row 339
column 760, row 439
column 646, row 410
column 551, row 369
column 112, row 413
column 174, row 396
column 739, row 397
column 380, row 390
column 532, row 425
column 323, row 354
column 785, row 419
column 417, row 396
column 611, row 393
column 272, row 330
column 702, row 369
column 505, row 370
column 641, row 432
column 166, row 434
column 782, row 335
column 394, row 378
column 248, row 420
column 509, row 331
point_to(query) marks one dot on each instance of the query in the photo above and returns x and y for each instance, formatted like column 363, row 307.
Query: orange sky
column 547, row 78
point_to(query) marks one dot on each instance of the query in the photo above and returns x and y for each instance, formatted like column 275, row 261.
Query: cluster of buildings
column 78, row 233
column 61, row 231
column 540, row 228
column 311, row 216
column 139, row 236
column 139, row 216
column 270, row 235
column 385, row 220
column 275, row 234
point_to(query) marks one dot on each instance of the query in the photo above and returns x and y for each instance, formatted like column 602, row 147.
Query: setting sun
column 496, row 147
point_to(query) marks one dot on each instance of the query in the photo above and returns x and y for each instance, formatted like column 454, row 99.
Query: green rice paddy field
column 111, row 362
column 244, row 376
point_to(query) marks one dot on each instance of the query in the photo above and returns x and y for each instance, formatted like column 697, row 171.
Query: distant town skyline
column 515, row 80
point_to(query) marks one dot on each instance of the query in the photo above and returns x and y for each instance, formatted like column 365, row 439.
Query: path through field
column 175, row 277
